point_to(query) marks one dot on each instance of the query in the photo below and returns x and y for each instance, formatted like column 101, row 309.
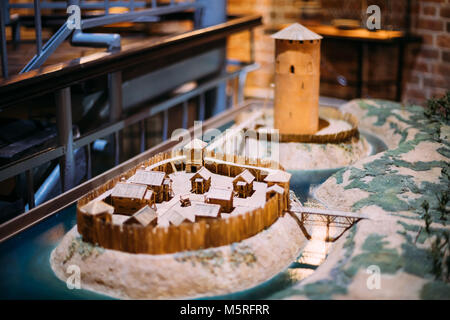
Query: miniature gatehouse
column 194, row 152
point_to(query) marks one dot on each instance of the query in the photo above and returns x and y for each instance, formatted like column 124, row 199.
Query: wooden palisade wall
column 187, row 236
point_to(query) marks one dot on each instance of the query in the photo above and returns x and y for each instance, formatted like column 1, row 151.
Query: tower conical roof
column 296, row 32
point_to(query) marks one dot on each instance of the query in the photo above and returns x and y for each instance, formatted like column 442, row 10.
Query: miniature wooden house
column 274, row 190
column 144, row 217
column 297, row 80
column 98, row 209
column 280, row 178
column 128, row 198
column 222, row 197
column 89, row 214
column 195, row 153
column 153, row 180
column 201, row 181
column 243, row 184
column 173, row 217
column 206, row 210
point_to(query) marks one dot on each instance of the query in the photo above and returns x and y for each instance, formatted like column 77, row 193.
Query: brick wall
column 428, row 70
column 427, row 65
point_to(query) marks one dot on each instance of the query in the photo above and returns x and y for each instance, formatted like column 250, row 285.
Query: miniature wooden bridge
column 324, row 217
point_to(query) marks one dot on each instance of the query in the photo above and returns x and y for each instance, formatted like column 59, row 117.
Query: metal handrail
column 84, row 5
column 37, row 83
column 43, row 52
column 33, row 161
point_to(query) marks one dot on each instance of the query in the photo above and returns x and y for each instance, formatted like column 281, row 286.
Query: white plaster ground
column 209, row 272
column 314, row 156
column 309, row 156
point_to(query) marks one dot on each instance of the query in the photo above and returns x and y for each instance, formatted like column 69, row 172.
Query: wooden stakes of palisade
column 187, row 236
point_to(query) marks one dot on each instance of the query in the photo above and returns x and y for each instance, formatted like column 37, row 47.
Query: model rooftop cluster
column 157, row 199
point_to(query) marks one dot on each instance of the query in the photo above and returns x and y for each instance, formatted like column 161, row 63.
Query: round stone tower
column 297, row 80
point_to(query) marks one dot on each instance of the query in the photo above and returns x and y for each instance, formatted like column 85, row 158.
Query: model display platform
column 183, row 225
column 387, row 191
column 291, row 201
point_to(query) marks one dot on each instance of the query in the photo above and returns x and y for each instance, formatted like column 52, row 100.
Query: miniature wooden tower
column 297, row 80
column 194, row 152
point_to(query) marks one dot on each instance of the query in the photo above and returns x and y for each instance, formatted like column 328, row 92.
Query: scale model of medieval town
column 182, row 202
column 204, row 221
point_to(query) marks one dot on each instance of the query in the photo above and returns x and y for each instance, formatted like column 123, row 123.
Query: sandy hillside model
column 338, row 142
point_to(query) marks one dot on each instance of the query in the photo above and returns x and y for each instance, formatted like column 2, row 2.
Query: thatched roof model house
column 99, row 209
column 245, row 176
column 144, row 217
column 96, row 208
column 222, row 197
column 274, row 190
column 201, row 181
column 203, row 173
column 153, row 180
column 172, row 217
column 167, row 189
column 243, row 183
column 128, row 198
column 148, row 178
column 126, row 190
column 206, row 210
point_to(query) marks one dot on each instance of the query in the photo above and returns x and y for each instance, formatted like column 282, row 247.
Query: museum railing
column 136, row 11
